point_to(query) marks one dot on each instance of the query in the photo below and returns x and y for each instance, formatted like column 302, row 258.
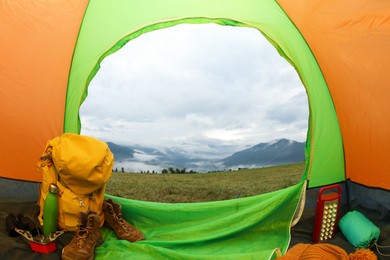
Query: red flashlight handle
column 334, row 186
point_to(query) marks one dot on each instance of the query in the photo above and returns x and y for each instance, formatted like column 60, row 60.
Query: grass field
column 205, row 186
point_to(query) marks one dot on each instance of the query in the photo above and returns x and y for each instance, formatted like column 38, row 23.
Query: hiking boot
column 28, row 224
column 113, row 218
column 11, row 222
column 87, row 237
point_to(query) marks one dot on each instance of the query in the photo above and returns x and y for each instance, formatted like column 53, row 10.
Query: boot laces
column 120, row 221
column 118, row 218
column 82, row 235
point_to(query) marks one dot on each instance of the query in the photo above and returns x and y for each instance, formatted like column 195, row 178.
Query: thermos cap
column 53, row 188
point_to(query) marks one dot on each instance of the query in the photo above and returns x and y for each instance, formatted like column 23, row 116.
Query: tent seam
column 70, row 68
column 330, row 95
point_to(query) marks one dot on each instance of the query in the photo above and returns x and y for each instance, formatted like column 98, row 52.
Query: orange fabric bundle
column 363, row 254
column 325, row 252
column 316, row 251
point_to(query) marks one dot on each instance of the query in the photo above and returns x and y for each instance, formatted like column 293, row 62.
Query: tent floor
column 302, row 231
column 18, row 248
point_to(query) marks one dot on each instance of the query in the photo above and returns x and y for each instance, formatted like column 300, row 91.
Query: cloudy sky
column 196, row 84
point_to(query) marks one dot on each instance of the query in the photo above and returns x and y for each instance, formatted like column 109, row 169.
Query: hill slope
column 277, row 152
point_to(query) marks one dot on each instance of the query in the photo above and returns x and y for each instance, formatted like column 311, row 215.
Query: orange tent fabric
column 351, row 42
column 36, row 52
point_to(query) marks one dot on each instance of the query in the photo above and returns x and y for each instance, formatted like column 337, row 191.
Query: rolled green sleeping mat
column 359, row 230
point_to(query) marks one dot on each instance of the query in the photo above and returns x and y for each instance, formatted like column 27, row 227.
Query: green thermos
column 50, row 211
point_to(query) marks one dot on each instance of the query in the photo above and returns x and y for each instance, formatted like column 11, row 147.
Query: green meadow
column 201, row 187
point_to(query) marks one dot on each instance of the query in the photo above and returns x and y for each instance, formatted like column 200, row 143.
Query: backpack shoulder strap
column 46, row 169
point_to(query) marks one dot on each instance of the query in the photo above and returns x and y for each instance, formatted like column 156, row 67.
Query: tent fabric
column 37, row 40
column 17, row 248
column 351, row 43
column 245, row 228
column 50, row 51
column 339, row 50
column 70, row 56
column 374, row 203
column 100, row 36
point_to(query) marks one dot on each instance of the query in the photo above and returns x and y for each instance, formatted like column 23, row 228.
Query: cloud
column 196, row 82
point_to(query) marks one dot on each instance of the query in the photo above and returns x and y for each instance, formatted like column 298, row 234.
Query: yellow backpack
column 80, row 166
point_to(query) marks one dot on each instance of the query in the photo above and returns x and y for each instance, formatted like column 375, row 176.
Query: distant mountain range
column 204, row 158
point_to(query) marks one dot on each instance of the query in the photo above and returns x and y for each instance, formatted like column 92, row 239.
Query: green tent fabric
column 209, row 230
column 107, row 27
column 250, row 228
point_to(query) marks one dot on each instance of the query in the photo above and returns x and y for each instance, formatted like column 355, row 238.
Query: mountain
column 121, row 152
column 277, row 152
column 206, row 157
column 137, row 158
